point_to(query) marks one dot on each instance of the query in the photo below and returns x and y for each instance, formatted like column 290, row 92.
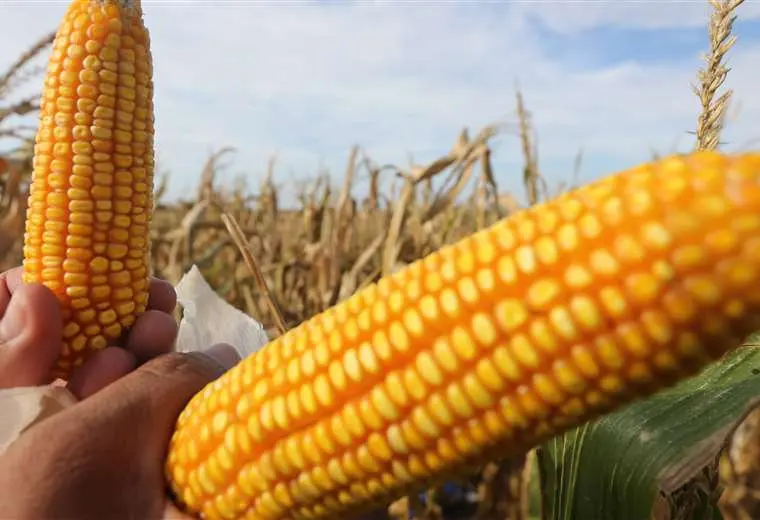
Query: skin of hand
column 104, row 456
column 31, row 328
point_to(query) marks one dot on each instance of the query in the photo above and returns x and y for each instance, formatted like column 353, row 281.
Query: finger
column 172, row 512
column 5, row 295
column 30, row 337
column 153, row 334
column 155, row 394
column 12, row 278
column 100, row 370
column 162, row 296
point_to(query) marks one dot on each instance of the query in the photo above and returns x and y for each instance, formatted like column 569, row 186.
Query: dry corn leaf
column 22, row 408
column 740, row 469
column 208, row 319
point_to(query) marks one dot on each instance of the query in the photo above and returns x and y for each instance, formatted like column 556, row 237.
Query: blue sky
column 402, row 78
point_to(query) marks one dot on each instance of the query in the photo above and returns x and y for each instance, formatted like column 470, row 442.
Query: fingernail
column 13, row 323
column 224, row 354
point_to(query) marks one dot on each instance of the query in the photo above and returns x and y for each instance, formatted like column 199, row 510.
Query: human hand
column 30, row 337
column 104, row 456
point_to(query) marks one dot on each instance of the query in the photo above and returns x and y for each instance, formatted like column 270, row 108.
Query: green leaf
column 614, row 468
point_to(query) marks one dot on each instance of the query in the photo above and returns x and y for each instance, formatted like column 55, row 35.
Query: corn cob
column 547, row 319
column 91, row 197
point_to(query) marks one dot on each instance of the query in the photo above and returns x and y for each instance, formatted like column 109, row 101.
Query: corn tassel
column 484, row 349
column 91, row 197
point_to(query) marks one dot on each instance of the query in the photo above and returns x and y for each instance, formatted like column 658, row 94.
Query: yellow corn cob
column 91, row 197
column 485, row 348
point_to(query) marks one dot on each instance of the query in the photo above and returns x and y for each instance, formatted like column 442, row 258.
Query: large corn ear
column 91, row 197
column 485, row 348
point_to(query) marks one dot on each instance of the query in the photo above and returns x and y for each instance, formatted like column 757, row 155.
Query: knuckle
column 183, row 364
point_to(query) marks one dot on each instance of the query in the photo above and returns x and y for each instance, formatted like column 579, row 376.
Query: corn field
column 282, row 266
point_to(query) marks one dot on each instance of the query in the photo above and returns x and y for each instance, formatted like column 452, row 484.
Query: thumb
column 30, row 336
column 151, row 398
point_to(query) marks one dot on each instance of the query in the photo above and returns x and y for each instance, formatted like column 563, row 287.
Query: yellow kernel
column 640, row 372
column 627, row 249
column 639, row 203
column 428, row 369
column 465, row 261
column 126, row 308
column 612, row 211
column 547, row 389
column 568, row 378
column 505, row 237
column 413, row 322
column 445, row 355
column 507, row 270
column 463, row 344
column 107, row 317
column 711, row 206
column 398, row 337
column 602, row 262
column 665, row 361
column 526, row 259
column 546, row 250
column 745, row 223
column 567, row 237
column 542, row 335
column 533, row 406
column 450, row 303
column 477, row 392
column 589, row 226
column 542, row 293
column 524, row 351
column 467, row 290
column 414, row 385
column 608, row 352
column 457, row 400
column 721, row 241
column 577, row 277
column 738, row 272
column 703, row 288
column 655, row 235
column 323, row 391
column 563, row 322
column 506, row 364
column 633, row 339
column 585, row 312
column 613, row 301
column 611, row 384
column 424, row 422
column 483, row 329
column 383, row 404
column 510, row 314
column 657, row 326
column 584, row 361
column 548, row 221
column 488, row 375
column 396, row 440
column 570, row 208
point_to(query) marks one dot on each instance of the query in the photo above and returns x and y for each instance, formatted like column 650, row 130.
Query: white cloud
column 571, row 16
column 309, row 82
